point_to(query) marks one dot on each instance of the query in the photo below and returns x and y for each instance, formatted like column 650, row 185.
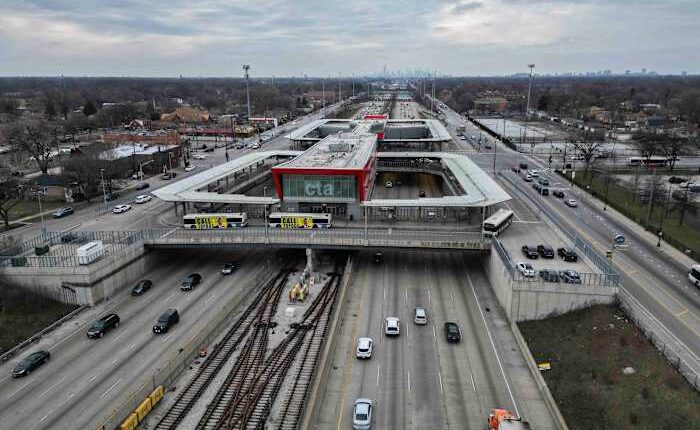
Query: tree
column 89, row 108
column 648, row 144
column 672, row 147
column 38, row 138
column 9, row 197
column 50, row 110
column 587, row 143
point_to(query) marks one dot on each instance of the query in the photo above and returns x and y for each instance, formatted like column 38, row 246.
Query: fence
column 586, row 279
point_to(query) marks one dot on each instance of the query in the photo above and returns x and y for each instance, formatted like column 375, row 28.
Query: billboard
column 206, row 222
column 296, row 222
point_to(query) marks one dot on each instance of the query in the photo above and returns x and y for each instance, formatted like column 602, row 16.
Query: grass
column 22, row 314
column 31, row 207
column 588, row 350
column 621, row 198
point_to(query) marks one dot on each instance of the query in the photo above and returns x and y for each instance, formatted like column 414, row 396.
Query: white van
column 90, row 252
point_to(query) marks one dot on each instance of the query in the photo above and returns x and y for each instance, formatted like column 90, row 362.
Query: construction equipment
column 502, row 419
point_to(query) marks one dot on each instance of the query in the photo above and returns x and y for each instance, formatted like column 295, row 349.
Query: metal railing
column 586, row 278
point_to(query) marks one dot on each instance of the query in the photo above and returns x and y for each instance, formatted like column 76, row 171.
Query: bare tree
column 672, row 148
column 587, row 143
column 38, row 138
column 10, row 190
column 84, row 168
column 648, row 144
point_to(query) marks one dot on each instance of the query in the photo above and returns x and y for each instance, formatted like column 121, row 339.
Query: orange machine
column 502, row 419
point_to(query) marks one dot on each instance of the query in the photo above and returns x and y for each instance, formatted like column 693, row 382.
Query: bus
column 299, row 220
column 694, row 275
column 205, row 221
column 654, row 160
column 497, row 222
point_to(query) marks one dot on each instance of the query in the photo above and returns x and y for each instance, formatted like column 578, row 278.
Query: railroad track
column 220, row 355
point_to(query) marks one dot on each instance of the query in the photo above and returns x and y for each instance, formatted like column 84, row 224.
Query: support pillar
column 309, row 261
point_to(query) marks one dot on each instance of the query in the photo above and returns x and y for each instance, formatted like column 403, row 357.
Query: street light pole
column 104, row 192
column 246, row 67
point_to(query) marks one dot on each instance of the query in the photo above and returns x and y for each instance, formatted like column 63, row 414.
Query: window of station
column 330, row 186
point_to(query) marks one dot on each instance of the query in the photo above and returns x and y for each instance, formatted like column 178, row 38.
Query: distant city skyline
column 460, row 38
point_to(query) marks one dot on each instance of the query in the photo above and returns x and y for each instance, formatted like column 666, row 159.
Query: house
column 186, row 114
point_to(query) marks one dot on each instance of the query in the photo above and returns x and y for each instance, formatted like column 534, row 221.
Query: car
column 240, row 146
column 571, row 203
column 528, row 178
column 121, row 209
column 567, row 254
column 364, row 348
column 142, row 287
column 462, row 138
column 487, row 146
column 190, row 168
column 111, row 196
column 190, row 281
column 453, row 332
column 391, row 326
column 388, row 184
column 420, row 316
column 421, row 193
column 545, row 251
column 30, row 363
column 199, row 156
column 379, row 257
column 69, row 237
column 526, row 269
column 677, row 180
column 168, row 319
column 529, row 251
column 534, row 173
column 570, row 276
column 103, row 325
column 60, row 213
column 362, row 411
column 523, row 166
column 558, row 193
column 142, row 199
column 255, row 146
column 142, row 185
column 549, row 275
column 230, row 267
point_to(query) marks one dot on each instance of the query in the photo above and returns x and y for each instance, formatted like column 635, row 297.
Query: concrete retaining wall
column 83, row 285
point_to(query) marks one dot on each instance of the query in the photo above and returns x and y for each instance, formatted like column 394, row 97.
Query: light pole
column 246, row 67
column 661, row 235
column 104, row 191
column 529, row 89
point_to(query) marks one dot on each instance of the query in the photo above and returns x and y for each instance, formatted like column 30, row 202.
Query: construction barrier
column 139, row 414
column 130, row 423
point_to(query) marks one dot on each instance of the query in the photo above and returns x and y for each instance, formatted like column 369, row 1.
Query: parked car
column 191, row 281
column 533, row 173
column 558, row 193
column 567, row 254
column 255, row 146
column 142, row 287
column 570, row 276
column 545, row 251
column 121, row 209
column 30, row 363
column 103, row 325
column 190, row 168
column 60, row 213
column 677, row 179
column 362, row 412
column 453, row 332
column 526, row 269
column 168, row 319
column 364, row 348
column 571, row 203
column 523, row 166
column 142, row 185
column 529, row 251
column 528, row 178
column 69, row 237
column 230, row 267
column 144, row 198
column 549, row 275
column 391, row 326
column 420, row 316
column 199, row 156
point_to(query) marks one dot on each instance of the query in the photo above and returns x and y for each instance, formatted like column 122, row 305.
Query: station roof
column 436, row 131
column 336, row 151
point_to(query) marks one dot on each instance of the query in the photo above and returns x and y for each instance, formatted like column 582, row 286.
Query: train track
column 222, row 352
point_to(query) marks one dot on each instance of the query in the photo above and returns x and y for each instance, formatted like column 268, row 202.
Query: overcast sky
column 318, row 38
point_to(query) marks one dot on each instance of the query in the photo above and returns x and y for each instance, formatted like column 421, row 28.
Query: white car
column 362, row 414
column 255, row 146
column 190, row 168
column 142, row 199
column 526, row 269
column 421, row 316
column 391, row 326
column 199, row 156
column 121, row 208
column 389, row 184
column 534, row 173
column 364, row 347
column 462, row 138
column 571, row 203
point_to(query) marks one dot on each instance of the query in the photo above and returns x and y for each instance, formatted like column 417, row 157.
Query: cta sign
column 319, row 189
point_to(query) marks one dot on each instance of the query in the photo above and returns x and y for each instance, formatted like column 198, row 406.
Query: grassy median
column 589, row 351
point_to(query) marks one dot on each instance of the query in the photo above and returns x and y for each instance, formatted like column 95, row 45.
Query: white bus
column 205, row 221
column 654, row 160
column 299, row 220
column 694, row 275
column 497, row 222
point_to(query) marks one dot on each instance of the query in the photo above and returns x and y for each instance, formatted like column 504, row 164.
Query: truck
column 90, row 252
column 502, row 419
column 461, row 128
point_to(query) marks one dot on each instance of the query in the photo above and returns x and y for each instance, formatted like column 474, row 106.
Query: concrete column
column 175, row 205
column 309, row 260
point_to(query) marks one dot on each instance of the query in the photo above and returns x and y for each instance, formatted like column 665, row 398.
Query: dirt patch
column 606, row 375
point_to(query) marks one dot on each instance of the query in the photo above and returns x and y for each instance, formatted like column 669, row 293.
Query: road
column 86, row 378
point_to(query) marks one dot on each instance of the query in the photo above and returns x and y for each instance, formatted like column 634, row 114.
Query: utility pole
column 651, row 197
column 246, row 67
column 529, row 89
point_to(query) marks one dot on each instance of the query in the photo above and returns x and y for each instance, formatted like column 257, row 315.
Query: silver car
column 362, row 414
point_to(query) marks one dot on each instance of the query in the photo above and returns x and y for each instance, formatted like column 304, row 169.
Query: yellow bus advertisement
column 210, row 222
column 296, row 222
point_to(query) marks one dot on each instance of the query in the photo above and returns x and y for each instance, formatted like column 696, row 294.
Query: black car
column 30, row 362
column 677, row 180
column 549, row 275
column 570, row 276
column 69, row 237
column 191, row 281
column 545, row 251
column 529, row 251
column 567, row 254
column 142, row 186
column 103, row 325
column 60, row 213
column 421, row 193
column 142, row 287
column 523, row 166
column 379, row 257
column 558, row 193
column 453, row 332
column 165, row 321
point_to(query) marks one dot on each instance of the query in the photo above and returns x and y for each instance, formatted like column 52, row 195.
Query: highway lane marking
column 115, row 360
column 471, row 376
column 111, row 388
column 434, row 334
column 119, row 335
column 408, row 378
column 20, row 388
column 71, row 395
column 51, row 386
column 378, row 367
column 44, row 417
column 681, row 313
column 406, row 296
column 442, row 389
column 93, row 377
column 132, row 345
column 429, row 298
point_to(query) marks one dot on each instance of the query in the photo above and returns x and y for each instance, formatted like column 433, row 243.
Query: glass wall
column 319, row 186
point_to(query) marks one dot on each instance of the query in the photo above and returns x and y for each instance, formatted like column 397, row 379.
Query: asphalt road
column 86, row 378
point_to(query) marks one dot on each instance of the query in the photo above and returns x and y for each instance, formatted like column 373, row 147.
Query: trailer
column 90, row 252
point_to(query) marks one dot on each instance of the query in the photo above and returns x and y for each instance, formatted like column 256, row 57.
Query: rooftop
column 137, row 149
column 337, row 151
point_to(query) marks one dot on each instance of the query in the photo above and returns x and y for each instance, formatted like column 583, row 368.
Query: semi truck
column 502, row 419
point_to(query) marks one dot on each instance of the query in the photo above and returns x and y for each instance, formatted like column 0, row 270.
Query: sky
column 349, row 37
